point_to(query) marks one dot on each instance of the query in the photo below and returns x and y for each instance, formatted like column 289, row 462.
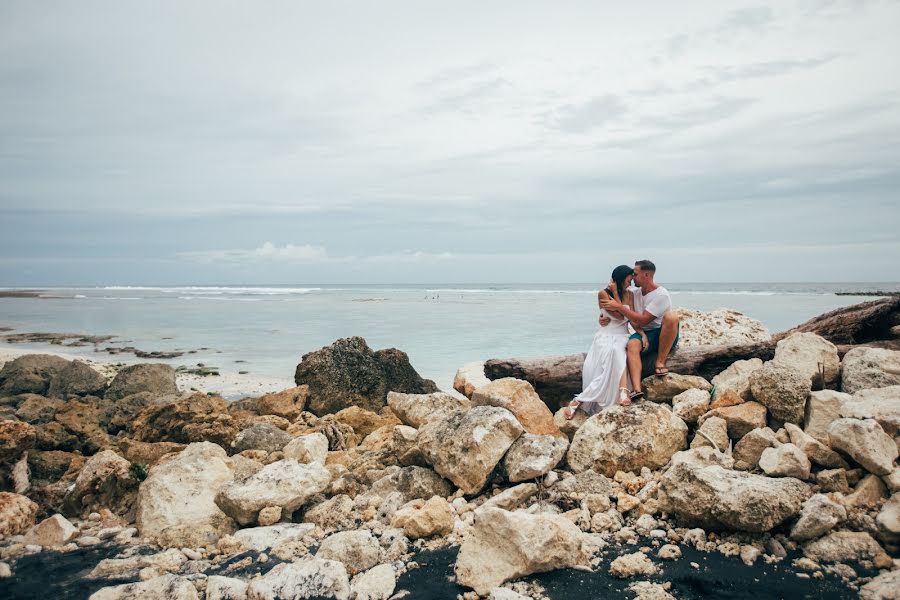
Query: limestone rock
column 37, row 409
column 505, row 545
column 823, row 407
column 377, row 583
column 867, row 494
column 164, row 587
column 307, row 578
column 533, row 456
column 119, row 414
column 465, row 446
column 809, row 355
column 719, row 327
column 30, row 374
column 105, row 481
column 365, row 422
column 846, row 546
column 417, row 409
column 820, row 515
column 865, row 368
column 713, row 497
column 470, row 377
column 287, row 403
column 349, row 373
column 15, row 438
column 261, row 539
column 865, row 442
column 176, row 503
column 782, row 390
column 419, row 519
column 147, row 453
column 664, row 388
column 334, row 514
column 158, row 379
column 225, row 588
column 570, row 426
column 690, row 405
column 629, row 565
column 740, row 419
column 307, row 448
column 17, row 514
column 713, row 433
column 54, row 531
column 787, row 460
column 519, row 398
column 412, row 483
column 889, row 518
column 198, row 418
column 357, row 550
column 285, row 483
column 749, row 449
column 261, row 436
column 815, row 450
column 735, row 380
column 513, row 497
column 627, row 438
column 883, row 587
column 76, row 379
column 881, row 404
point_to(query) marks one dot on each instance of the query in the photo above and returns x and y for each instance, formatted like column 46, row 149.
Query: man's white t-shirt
column 656, row 303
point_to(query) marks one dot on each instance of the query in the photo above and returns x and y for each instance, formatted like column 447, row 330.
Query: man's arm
column 636, row 318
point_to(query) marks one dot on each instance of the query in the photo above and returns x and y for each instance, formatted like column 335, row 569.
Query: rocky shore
column 365, row 481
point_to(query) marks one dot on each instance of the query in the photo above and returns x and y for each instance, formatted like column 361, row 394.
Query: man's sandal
column 569, row 413
column 636, row 396
column 661, row 371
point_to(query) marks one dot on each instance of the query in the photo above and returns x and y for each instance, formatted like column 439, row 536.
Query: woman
column 604, row 379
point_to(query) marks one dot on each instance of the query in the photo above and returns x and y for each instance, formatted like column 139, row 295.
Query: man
column 654, row 315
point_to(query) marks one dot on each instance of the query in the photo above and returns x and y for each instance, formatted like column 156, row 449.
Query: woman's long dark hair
column 618, row 275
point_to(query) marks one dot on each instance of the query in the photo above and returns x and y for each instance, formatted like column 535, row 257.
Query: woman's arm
column 603, row 296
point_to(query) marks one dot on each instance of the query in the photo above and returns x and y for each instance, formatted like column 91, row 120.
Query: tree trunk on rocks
column 558, row 378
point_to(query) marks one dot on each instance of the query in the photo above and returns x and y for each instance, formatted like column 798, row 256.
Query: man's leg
column 634, row 363
column 667, row 334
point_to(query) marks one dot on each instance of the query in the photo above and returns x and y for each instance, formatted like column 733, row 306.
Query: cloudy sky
column 362, row 142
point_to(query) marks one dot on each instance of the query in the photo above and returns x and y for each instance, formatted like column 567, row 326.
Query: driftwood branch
column 558, row 378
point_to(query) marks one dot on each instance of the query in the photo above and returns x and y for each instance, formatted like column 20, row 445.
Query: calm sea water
column 265, row 330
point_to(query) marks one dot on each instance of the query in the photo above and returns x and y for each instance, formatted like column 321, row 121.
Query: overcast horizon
column 415, row 142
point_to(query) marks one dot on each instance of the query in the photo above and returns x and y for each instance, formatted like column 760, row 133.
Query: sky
column 221, row 142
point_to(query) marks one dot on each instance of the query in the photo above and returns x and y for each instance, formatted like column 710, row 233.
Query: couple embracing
column 636, row 318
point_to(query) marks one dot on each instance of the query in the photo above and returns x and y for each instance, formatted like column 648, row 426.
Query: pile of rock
column 752, row 464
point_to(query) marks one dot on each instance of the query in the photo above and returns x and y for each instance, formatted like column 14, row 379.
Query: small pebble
column 33, row 548
column 657, row 533
column 105, row 534
column 93, row 516
column 695, row 565
column 263, row 557
column 5, row 571
column 803, row 575
column 87, row 541
column 191, row 554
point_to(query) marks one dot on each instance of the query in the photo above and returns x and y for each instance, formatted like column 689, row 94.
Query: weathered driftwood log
column 558, row 378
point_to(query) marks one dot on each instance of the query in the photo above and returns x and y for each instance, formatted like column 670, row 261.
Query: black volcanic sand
column 63, row 575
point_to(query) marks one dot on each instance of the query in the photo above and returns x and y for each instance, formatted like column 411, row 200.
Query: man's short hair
column 645, row 265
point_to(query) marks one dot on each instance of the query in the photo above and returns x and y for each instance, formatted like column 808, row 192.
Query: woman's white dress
column 603, row 366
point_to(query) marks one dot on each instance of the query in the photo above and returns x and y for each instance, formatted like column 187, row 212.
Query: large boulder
column 15, row 438
column 820, row 515
column 285, row 483
column 847, row 546
column 105, row 481
column 261, row 436
column 120, row 414
column 881, row 404
column 470, row 377
column 662, row 388
column 720, row 327
column 782, row 390
column 865, row 368
column 358, row 550
column 363, row 422
column 417, row 409
column 287, row 403
column 740, row 419
column 749, row 449
column 810, row 355
column 815, row 450
column 865, row 442
column 30, row 374
column 307, row 578
column 53, row 531
column 888, row 518
column 421, row 519
column 823, row 407
column 412, row 483
column 17, row 514
column 627, row 438
column 883, row 587
column 158, row 379
column 690, row 405
column 198, row 418
column 519, row 398
column 81, row 418
column 76, row 379
column 465, row 446
column 37, row 409
column 163, row 587
column 312, row 447
column 507, row 545
column 532, row 456
column 733, row 384
column 714, row 497
column 176, row 503
column 349, row 373
column 787, row 460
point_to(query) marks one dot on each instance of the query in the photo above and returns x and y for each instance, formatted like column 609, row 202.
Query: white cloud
column 306, row 254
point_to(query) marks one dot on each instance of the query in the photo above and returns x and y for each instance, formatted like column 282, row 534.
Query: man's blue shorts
column 653, row 339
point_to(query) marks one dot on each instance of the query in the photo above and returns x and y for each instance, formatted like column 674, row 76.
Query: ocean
column 263, row 331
